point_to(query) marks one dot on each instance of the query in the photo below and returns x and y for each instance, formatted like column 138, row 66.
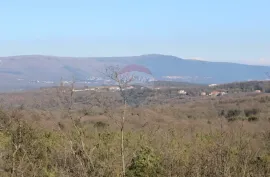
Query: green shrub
column 101, row 124
column 253, row 118
column 231, row 119
column 233, row 113
column 145, row 164
column 221, row 113
column 253, row 111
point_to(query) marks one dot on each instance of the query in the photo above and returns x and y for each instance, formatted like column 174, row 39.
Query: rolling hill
column 23, row 72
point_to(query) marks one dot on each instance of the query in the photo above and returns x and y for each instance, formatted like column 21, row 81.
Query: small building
column 218, row 93
column 128, row 88
column 215, row 93
column 78, row 90
column 203, row 94
column 258, row 91
column 182, row 92
column 223, row 93
column 114, row 88
column 212, row 85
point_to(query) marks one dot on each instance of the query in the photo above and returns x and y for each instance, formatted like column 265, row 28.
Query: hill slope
column 20, row 71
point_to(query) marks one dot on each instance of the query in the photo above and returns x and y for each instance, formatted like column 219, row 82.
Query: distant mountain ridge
column 21, row 71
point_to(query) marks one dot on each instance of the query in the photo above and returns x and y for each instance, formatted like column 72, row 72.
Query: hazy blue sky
column 215, row 30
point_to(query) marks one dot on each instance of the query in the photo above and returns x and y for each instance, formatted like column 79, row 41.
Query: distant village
column 99, row 84
column 108, row 86
column 114, row 88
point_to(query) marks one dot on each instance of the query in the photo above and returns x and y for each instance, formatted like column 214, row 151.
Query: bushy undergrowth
column 94, row 150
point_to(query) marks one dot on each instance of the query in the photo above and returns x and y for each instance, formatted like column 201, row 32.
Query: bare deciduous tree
column 122, row 81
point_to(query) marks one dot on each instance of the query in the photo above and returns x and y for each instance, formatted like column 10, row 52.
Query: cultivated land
column 57, row 132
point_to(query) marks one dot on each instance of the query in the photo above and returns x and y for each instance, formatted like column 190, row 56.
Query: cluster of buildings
column 105, row 88
column 217, row 93
column 182, row 92
column 213, row 93
column 221, row 93
column 38, row 81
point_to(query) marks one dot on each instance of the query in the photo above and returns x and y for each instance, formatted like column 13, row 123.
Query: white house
column 128, row 87
column 212, row 85
column 114, row 88
column 215, row 93
column 203, row 94
column 182, row 92
column 258, row 91
column 223, row 93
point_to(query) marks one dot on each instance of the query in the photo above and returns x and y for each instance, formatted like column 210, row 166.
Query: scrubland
column 53, row 133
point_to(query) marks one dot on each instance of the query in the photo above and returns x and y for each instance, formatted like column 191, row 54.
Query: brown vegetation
column 165, row 135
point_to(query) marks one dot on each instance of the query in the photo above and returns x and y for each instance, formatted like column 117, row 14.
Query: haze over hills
column 22, row 72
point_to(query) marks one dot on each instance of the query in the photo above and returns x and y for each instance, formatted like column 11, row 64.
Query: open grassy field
column 60, row 133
